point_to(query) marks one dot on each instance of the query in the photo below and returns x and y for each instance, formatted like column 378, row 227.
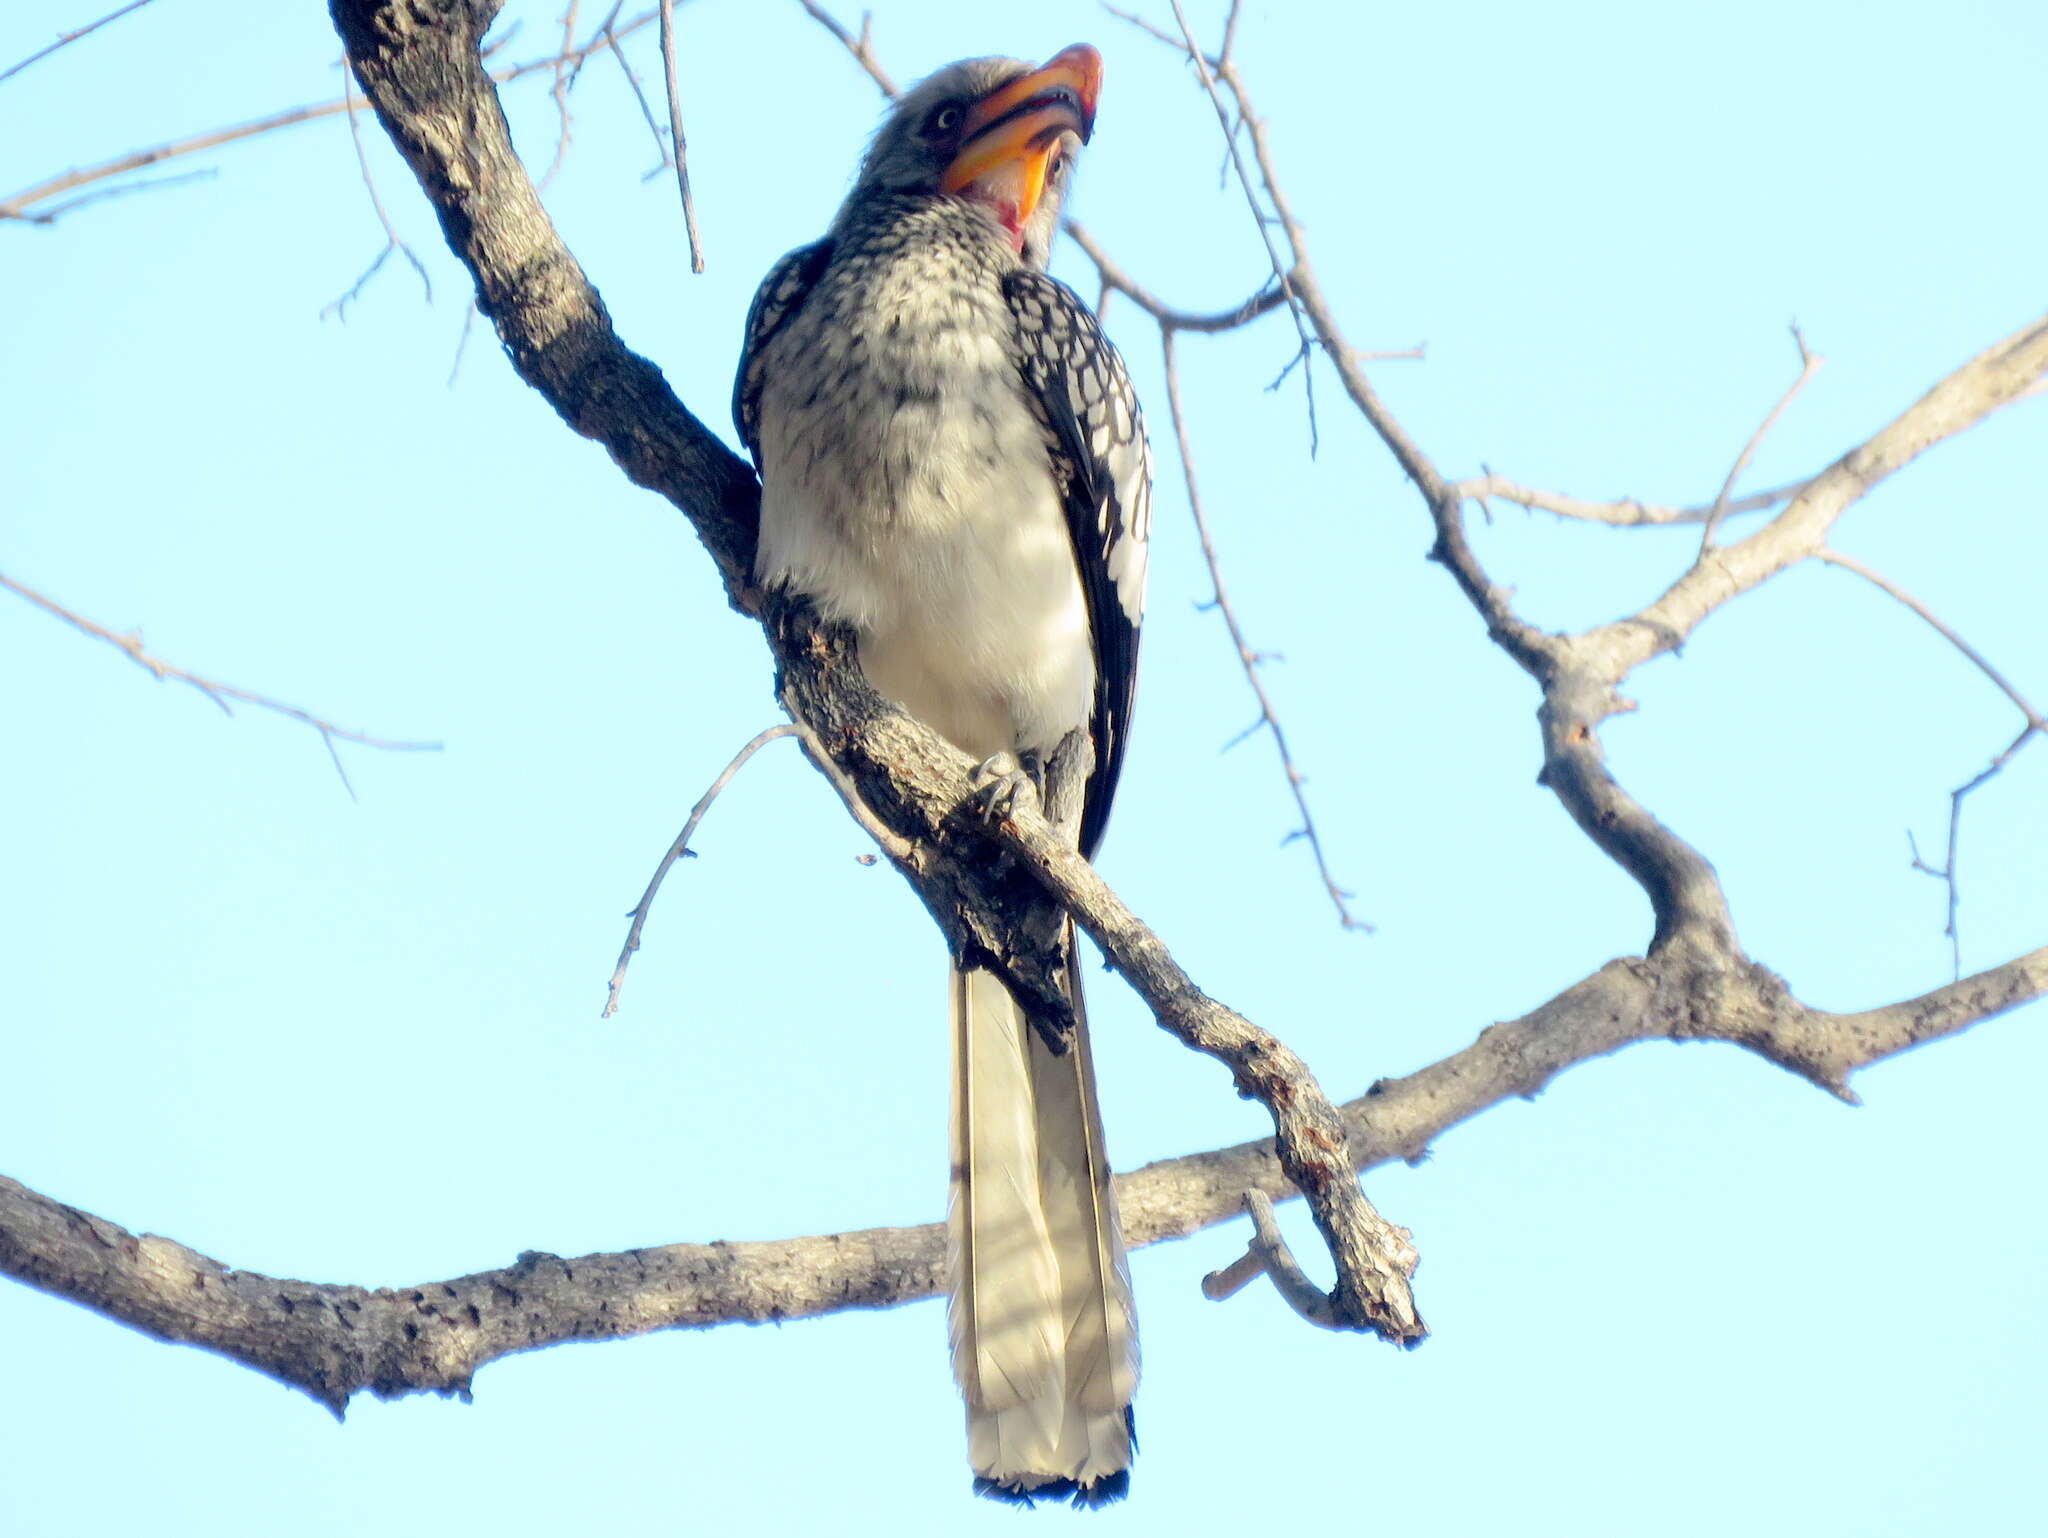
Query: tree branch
column 19, row 206
column 1628, row 513
column 334, row 1341
column 676, row 850
column 679, row 146
column 65, row 39
column 1247, row 656
column 220, row 693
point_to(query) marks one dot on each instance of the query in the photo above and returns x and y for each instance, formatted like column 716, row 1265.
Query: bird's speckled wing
column 781, row 295
column 1096, row 436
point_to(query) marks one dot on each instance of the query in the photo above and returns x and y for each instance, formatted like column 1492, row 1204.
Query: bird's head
column 997, row 132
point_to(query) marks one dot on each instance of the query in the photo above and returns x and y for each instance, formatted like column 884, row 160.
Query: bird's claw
column 1007, row 781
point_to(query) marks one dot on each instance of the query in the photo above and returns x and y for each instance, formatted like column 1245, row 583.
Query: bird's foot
column 1006, row 781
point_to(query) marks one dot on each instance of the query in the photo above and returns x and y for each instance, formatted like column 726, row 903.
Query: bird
column 953, row 463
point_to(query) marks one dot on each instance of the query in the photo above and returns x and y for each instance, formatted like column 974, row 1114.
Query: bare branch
column 462, row 343
column 1268, row 1255
column 335, row 1341
column 2035, row 725
column 1809, row 364
column 339, row 307
column 559, row 90
column 862, row 47
column 681, row 157
column 220, row 693
column 1248, row 658
column 1994, row 378
column 1627, row 513
column 56, row 211
column 19, row 205
column 1834, row 557
column 65, row 39
column 661, row 146
column 1283, row 274
column 676, row 851
column 1151, row 29
column 1580, row 674
column 1170, row 319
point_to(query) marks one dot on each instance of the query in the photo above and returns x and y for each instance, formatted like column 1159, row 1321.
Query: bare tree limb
column 1268, row 1255
column 55, row 211
column 1580, row 674
column 1977, row 659
column 65, row 39
column 1170, row 318
column 661, row 146
column 1809, row 364
column 677, row 851
column 1627, row 513
column 339, row 307
column 862, row 48
column 1249, row 658
column 680, row 157
column 19, row 206
column 334, row 1341
column 2035, row 725
column 220, row 693
column 558, row 90
column 1283, row 274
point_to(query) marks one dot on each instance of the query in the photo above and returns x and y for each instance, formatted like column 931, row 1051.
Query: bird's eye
column 942, row 121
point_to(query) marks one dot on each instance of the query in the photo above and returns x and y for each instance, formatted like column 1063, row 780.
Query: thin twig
column 1834, row 557
column 1809, row 365
column 65, row 39
column 559, row 90
column 1152, row 29
column 675, row 133
column 576, row 73
column 677, row 851
column 462, row 342
column 661, row 147
column 220, row 693
column 2035, row 725
column 1248, row 658
column 1628, row 513
column 1230, row 32
column 1267, row 1254
column 17, row 207
column 1114, row 278
column 1283, row 272
column 862, row 48
column 57, row 211
column 338, row 308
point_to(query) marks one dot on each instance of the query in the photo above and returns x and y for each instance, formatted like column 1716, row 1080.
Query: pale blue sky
column 358, row 1041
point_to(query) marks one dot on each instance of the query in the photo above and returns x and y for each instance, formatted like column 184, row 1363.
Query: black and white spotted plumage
column 1096, row 451
column 1096, row 437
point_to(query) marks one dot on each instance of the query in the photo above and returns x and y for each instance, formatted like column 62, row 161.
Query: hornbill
column 953, row 463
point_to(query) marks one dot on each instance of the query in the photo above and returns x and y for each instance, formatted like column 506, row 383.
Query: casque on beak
column 1011, row 135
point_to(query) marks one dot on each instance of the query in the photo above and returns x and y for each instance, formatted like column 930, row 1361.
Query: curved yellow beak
column 1011, row 134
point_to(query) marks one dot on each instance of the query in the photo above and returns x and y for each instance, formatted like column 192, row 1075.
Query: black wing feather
column 1095, row 435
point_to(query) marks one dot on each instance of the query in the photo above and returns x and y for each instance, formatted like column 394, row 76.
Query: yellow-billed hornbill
column 953, row 463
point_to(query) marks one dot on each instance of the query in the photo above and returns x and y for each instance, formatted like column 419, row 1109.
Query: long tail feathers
column 1045, row 1341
